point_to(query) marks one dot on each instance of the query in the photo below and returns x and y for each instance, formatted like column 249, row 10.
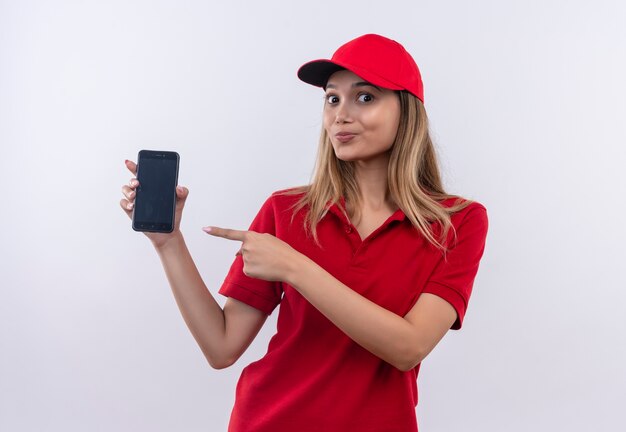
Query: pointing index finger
column 230, row 234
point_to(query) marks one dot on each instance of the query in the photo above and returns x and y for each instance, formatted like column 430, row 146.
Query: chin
column 347, row 157
column 355, row 157
column 347, row 153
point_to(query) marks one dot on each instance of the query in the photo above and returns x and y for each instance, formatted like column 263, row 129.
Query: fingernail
column 206, row 229
column 134, row 183
column 179, row 188
column 130, row 205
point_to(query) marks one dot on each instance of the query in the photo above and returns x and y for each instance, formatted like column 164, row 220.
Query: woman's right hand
column 127, row 203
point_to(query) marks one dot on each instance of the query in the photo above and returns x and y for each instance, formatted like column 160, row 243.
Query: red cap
column 377, row 59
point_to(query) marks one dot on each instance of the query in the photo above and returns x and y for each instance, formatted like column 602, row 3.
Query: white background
column 526, row 100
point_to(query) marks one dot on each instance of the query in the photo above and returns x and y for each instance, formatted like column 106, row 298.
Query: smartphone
column 155, row 200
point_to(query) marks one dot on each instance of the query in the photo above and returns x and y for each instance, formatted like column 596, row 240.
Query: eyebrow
column 356, row 84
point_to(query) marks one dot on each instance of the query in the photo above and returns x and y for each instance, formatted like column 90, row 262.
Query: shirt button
column 348, row 229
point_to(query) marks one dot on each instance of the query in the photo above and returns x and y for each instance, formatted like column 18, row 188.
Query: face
column 360, row 118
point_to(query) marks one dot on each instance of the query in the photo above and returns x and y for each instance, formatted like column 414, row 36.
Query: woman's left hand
column 264, row 256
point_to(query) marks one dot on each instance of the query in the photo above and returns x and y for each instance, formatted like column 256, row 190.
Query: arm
column 222, row 335
column 401, row 341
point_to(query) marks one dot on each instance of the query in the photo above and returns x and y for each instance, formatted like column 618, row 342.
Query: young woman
column 371, row 264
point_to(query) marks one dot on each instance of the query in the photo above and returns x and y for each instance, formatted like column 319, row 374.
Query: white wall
column 526, row 101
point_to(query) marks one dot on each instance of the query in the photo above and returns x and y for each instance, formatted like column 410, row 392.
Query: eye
column 365, row 97
column 331, row 99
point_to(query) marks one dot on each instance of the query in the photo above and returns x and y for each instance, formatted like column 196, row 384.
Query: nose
column 342, row 114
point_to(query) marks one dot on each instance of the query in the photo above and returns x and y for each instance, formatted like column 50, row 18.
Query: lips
column 344, row 137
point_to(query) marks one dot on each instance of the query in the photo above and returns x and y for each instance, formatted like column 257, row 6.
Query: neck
column 371, row 176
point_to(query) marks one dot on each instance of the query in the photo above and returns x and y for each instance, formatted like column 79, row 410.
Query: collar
column 336, row 209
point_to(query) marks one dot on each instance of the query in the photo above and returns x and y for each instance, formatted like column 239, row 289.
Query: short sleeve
column 258, row 293
column 453, row 277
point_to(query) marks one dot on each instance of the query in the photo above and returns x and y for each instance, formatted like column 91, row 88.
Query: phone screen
column 155, row 204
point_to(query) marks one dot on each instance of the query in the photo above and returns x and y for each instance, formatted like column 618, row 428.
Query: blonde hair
column 413, row 179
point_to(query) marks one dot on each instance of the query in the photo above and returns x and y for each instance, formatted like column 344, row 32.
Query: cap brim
column 317, row 73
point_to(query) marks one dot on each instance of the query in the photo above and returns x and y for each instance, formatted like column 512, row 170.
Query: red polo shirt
column 314, row 377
